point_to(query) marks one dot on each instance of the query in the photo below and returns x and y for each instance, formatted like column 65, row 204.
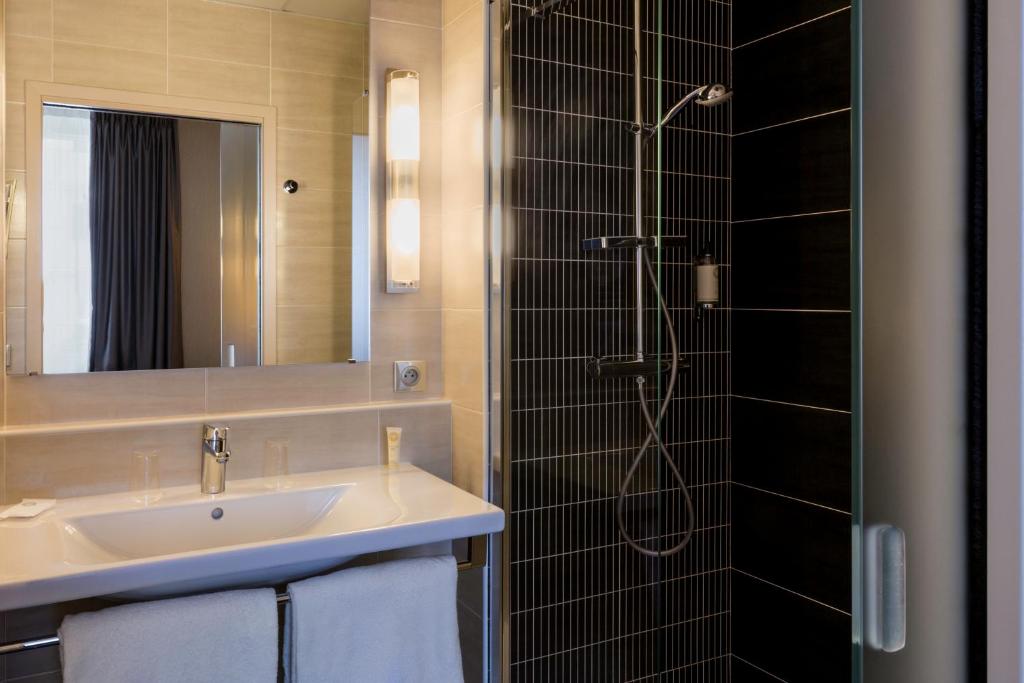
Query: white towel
column 218, row 638
column 393, row 622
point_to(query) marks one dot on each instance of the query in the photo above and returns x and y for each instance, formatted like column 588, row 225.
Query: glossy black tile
column 554, row 579
column 572, row 624
column 798, row 168
column 794, row 639
column 792, row 75
column 753, row 19
column 585, row 606
column 792, row 357
column 799, row 452
column 800, row 547
column 792, row 263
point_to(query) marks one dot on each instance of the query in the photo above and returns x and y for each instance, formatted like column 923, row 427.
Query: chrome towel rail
column 50, row 641
column 477, row 559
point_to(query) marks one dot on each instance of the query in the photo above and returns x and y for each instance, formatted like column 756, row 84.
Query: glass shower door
column 687, row 311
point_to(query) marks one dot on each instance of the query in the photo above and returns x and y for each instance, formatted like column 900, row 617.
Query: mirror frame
column 39, row 94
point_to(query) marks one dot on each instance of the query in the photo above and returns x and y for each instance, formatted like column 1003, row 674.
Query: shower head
column 710, row 95
column 713, row 95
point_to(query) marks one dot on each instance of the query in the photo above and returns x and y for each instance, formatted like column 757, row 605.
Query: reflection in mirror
column 150, row 242
column 284, row 281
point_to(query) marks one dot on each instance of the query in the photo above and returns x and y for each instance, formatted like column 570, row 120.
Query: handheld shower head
column 710, row 95
column 713, row 95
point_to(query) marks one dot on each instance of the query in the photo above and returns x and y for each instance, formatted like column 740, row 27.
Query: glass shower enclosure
column 677, row 355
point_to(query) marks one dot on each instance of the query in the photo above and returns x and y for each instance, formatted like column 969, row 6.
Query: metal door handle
column 885, row 588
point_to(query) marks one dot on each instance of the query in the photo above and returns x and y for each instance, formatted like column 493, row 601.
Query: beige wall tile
column 3, row 485
column 15, row 321
column 129, row 24
column 315, row 218
column 91, row 463
column 463, row 165
column 422, row 12
column 426, row 437
column 16, row 228
column 464, row 358
column 463, row 260
column 316, row 160
column 29, row 18
column 313, row 334
column 453, row 9
column 314, row 276
column 16, row 272
column 403, row 46
column 464, row 61
column 104, row 396
column 316, row 46
column 315, row 442
column 191, row 77
column 405, row 335
column 431, row 165
column 316, row 102
column 28, row 59
column 15, row 154
column 211, row 30
column 106, row 67
column 238, row 389
column 469, row 450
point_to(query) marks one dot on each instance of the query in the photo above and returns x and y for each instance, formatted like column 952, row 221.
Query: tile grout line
column 790, row 28
column 789, row 590
column 792, row 498
column 765, row 672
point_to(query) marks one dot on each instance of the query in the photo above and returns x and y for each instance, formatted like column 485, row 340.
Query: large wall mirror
column 166, row 230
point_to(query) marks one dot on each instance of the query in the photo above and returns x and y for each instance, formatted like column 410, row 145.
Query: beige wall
column 205, row 50
column 333, row 415
column 464, row 283
column 464, row 287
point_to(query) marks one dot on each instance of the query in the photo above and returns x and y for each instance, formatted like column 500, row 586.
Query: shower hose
column 653, row 436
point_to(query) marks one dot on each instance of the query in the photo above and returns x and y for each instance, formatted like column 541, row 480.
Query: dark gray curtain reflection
column 135, row 219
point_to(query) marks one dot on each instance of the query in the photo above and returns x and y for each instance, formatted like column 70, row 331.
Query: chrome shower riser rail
column 546, row 9
column 638, row 172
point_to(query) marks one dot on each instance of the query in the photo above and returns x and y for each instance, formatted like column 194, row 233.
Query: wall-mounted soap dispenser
column 707, row 286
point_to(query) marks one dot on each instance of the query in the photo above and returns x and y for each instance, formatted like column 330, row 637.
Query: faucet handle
column 216, row 436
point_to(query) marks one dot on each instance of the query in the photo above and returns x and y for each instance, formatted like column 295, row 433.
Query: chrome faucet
column 215, row 458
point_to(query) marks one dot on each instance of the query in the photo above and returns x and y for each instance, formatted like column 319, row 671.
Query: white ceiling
column 356, row 11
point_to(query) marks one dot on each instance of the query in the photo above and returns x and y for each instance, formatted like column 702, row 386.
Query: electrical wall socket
column 410, row 375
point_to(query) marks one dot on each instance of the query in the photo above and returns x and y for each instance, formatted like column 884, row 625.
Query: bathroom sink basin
column 259, row 532
column 204, row 523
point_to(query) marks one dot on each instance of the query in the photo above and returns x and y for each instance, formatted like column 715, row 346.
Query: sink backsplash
column 61, row 464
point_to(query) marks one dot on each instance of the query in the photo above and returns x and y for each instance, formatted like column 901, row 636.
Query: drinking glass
column 275, row 463
column 145, row 475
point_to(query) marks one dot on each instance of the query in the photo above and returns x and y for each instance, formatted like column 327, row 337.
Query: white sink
column 203, row 523
column 258, row 532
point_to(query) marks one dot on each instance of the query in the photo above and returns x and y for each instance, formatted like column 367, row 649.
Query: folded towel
column 386, row 623
column 219, row 638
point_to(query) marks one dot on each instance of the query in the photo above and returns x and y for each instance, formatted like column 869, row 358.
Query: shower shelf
column 631, row 242
column 614, row 367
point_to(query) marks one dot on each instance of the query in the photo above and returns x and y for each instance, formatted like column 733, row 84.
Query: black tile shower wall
column 583, row 605
column 791, row 354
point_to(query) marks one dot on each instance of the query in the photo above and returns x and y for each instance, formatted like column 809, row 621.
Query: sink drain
column 217, row 513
